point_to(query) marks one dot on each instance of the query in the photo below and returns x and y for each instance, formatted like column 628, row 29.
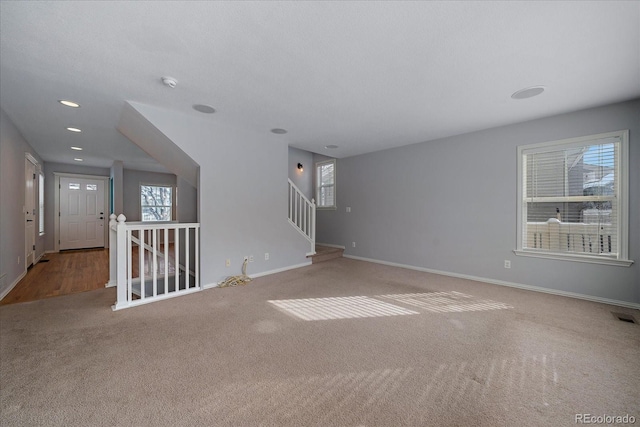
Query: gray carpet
column 341, row 343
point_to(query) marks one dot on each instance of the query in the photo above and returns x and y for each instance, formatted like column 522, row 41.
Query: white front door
column 82, row 213
column 29, row 212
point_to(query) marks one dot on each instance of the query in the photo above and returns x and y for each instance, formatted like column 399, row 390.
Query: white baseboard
column 264, row 273
column 13, row 285
column 503, row 283
column 330, row 245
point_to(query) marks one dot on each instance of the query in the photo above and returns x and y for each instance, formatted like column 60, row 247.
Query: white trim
column 143, row 301
column 622, row 183
column 264, row 273
column 335, row 184
column 504, row 283
column 56, row 203
column 330, row 245
column 595, row 259
column 13, row 285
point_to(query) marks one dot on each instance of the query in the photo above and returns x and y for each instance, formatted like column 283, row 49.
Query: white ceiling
column 361, row 75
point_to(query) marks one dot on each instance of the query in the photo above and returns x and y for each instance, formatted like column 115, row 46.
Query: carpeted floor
column 341, row 343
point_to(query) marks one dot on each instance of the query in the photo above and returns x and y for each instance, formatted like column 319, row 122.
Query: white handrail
column 302, row 215
column 156, row 278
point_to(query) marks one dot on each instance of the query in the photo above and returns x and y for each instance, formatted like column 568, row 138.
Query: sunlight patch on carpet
column 447, row 302
column 339, row 308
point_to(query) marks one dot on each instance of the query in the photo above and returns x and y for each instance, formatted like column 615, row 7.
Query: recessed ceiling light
column 78, row 159
column 330, row 147
column 69, row 103
column 528, row 92
column 279, row 131
column 70, row 129
column 77, row 148
column 206, row 109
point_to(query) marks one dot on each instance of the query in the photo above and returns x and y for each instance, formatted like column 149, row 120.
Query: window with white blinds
column 326, row 184
column 572, row 198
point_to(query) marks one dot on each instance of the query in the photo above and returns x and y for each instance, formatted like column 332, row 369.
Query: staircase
column 302, row 215
column 325, row 253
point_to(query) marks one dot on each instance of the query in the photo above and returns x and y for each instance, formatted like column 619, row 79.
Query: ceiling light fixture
column 330, row 147
column 169, row 81
column 78, row 159
column 77, row 148
column 278, row 131
column 206, row 109
column 70, row 129
column 528, row 92
column 67, row 103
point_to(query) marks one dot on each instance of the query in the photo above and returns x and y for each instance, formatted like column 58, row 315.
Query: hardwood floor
column 65, row 273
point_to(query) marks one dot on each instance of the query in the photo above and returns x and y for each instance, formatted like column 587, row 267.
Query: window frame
column 622, row 172
column 173, row 201
column 318, row 185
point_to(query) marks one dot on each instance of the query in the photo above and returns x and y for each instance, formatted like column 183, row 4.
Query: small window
column 74, row 186
column 41, row 204
column 156, row 202
column 326, row 184
column 572, row 199
column 92, row 187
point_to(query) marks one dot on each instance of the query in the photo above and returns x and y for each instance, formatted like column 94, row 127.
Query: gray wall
column 302, row 179
column 187, row 201
column 450, row 205
column 243, row 194
column 12, row 190
column 117, row 175
column 131, row 189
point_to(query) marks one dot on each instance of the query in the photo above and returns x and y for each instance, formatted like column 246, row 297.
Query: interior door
column 82, row 213
column 30, row 212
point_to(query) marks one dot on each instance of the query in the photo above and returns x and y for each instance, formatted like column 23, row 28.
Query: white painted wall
column 450, row 205
column 243, row 194
column 12, row 190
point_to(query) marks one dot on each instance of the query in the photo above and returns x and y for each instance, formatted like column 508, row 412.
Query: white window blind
column 572, row 197
column 326, row 184
column 156, row 202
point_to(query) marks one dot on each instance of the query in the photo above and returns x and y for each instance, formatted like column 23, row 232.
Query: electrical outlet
column 245, row 258
column 348, row 209
column 250, row 258
column 18, row 260
column 353, row 244
column 227, row 263
column 507, row 263
column 266, row 256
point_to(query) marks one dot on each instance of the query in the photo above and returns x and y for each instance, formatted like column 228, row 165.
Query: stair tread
column 325, row 253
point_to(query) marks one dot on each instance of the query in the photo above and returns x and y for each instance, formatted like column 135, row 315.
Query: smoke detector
column 169, row 81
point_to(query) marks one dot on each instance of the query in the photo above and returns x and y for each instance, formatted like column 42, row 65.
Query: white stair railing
column 302, row 215
column 167, row 260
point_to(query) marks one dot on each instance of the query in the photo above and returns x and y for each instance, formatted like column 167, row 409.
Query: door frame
column 57, row 176
column 36, row 182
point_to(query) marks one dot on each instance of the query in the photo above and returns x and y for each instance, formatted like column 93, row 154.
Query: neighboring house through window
column 326, row 184
column 572, row 199
column 156, row 202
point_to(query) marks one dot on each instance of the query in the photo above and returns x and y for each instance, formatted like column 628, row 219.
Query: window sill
column 327, row 208
column 577, row 258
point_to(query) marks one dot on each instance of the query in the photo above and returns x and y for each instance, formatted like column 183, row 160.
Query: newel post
column 313, row 226
column 121, row 274
column 113, row 253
